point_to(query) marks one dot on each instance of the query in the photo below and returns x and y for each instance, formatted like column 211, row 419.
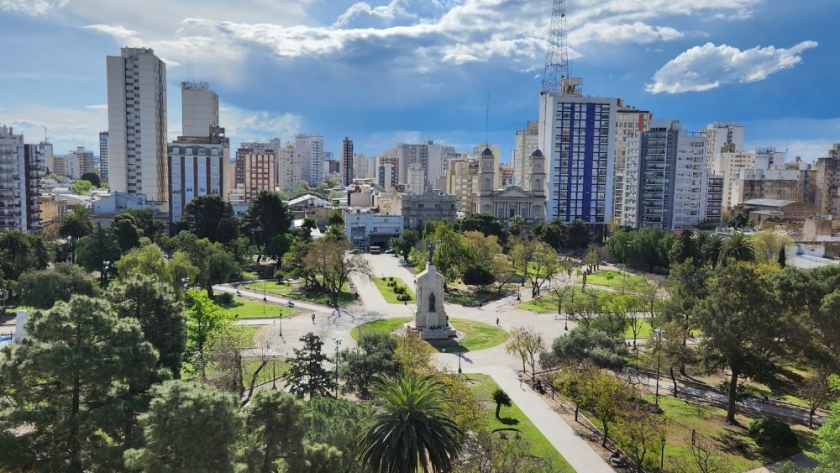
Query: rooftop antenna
column 557, row 55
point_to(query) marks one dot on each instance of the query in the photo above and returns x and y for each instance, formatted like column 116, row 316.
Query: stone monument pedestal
column 430, row 318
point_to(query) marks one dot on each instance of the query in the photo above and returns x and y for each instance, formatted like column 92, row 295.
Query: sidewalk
column 574, row 449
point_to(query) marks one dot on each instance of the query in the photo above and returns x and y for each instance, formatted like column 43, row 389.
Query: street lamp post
column 658, row 362
column 459, row 357
column 662, row 456
column 337, row 348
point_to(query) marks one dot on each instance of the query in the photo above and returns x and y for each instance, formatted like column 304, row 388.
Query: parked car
column 356, row 252
column 389, row 252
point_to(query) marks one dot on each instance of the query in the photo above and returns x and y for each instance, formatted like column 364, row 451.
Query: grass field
column 286, row 290
column 467, row 298
column 388, row 293
column 709, row 422
column 249, row 365
column 644, row 330
column 513, row 421
column 614, row 279
column 255, row 310
column 477, row 335
column 246, row 334
column 547, row 303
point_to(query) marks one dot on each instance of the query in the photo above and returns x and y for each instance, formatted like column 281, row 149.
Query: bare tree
column 816, row 390
column 703, row 457
column 226, row 368
column 527, row 343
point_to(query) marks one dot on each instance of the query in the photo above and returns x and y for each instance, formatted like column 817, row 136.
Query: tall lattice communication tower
column 557, row 56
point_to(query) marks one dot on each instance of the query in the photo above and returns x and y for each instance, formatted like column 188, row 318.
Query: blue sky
column 411, row 70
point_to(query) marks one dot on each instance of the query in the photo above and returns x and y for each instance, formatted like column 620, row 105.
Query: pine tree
column 307, row 374
column 782, row 256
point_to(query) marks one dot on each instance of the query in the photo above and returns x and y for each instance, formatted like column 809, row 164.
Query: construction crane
column 557, row 56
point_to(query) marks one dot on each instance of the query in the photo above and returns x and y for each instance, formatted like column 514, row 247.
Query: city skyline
column 323, row 67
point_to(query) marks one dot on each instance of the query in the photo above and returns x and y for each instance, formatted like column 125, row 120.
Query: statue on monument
column 432, row 302
column 432, row 253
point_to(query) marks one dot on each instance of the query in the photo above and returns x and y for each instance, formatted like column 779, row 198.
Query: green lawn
column 388, row 293
column 286, row 290
column 514, row 422
column 547, row 303
column 614, row 279
column 644, row 329
column 246, row 309
column 249, row 365
column 468, row 298
column 246, row 334
column 733, row 441
column 477, row 335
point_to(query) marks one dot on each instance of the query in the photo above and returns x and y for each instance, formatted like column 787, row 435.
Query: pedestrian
column 497, row 321
column 313, row 318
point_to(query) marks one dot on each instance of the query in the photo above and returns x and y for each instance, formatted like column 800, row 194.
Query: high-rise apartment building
column 197, row 166
column 408, row 155
column 77, row 163
column 667, row 184
column 103, row 156
column 577, row 135
column 20, row 183
column 416, row 181
column 137, row 124
column 360, row 167
column 437, row 155
column 347, row 161
column 630, row 122
column 256, row 169
column 723, row 137
column 288, row 167
column 527, row 141
column 199, row 109
column 310, row 149
column 386, row 176
column 827, row 192
column 462, row 181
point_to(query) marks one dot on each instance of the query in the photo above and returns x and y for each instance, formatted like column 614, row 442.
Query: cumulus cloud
column 260, row 125
column 32, row 7
column 67, row 128
column 389, row 12
column 710, row 66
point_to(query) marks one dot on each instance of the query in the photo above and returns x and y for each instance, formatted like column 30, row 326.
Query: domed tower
column 537, row 174
column 486, row 173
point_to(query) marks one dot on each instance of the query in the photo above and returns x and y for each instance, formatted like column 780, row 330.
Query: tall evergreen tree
column 307, row 374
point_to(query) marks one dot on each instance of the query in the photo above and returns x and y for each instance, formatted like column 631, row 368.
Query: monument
column 430, row 319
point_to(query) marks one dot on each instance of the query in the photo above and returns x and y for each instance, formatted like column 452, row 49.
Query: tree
column 713, row 249
column 75, row 225
column 739, row 220
column 327, row 259
column 406, row 242
column 817, row 390
column 501, row 398
column 203, row 216
column 275, row 424
column 409, row 430
column 219, row 266
column 703, row 457
column 266, row 217
column 335, row 218
column 828, row 439
column 81, row 187
column 639, row 432
column 484, row 223
column 767, row 244
column 782, row 258
column 482, row 253
column 450, row 253
column 124, row 228
column 742, row 326
column 607, row 398
column 42, row 289
column 68, row 388
column 160, row 314
column 526, row 343
column 18, row 249
column 772, row 435
column 93, row 178
column 100, row 246
column 536, row 262
column 587, row 347
column 307, row 374
column 152, row 228
column 552, row 233
column 577, row 235
column 149, row 260
column 739, row 247
column 516, row 225
column 205, row 322
column 279, row 246
column 188, row 427
column 335, row 422
column 413, row 354
column 373, row 357
column 487, row 452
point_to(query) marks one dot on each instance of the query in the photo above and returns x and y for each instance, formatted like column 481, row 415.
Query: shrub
column 772, row 434
column 399, row 290
column 225, row 298
column 280, row 276
column 390, row 278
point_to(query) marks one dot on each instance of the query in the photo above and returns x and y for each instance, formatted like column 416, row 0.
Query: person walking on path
column 313, row 318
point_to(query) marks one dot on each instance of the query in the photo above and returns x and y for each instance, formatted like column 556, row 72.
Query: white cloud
column 102, row 106
column 32, row 7
column 250, row 125
column 709, row 66
column 389, row 12
column 637, row 32
column 67, row 128
column 117, row 31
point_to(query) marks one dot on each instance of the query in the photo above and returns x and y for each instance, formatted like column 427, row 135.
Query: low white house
column 364, row 228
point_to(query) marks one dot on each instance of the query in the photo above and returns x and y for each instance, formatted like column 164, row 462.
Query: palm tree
column 713, row 248
column 76, row 225
column 516, row 224
column 501, row 398
column 409, row 430
column 739, row 247
column 701, row 239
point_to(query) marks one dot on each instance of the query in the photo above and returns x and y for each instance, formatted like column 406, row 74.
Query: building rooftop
column 770, row 202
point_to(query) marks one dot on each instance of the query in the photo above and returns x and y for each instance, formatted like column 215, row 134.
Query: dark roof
column 537, row 154
column 487, row 152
